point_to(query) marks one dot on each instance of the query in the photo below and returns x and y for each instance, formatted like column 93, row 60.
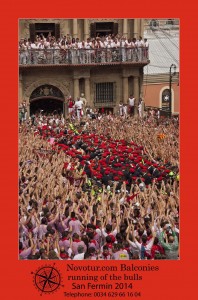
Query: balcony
column 79, row 57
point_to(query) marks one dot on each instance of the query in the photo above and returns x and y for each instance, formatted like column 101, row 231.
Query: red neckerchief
column 105, row 254
column 64, row 255
column 65, row 239
column 93, row 241
column 129, row 198
column 76, row 241
column 126, row 248
column 109, row 245
column 73, row 219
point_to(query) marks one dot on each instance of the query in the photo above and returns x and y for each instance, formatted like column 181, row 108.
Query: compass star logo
column 47, row 279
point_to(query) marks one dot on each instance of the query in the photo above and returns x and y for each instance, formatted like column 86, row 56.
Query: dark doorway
column 44, row 29
column 46, row 105
column 103, row 28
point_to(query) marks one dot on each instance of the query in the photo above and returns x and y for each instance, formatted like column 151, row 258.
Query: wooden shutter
column 57, row 31
column 115, row 28
column 93, row 29
column 32, row 32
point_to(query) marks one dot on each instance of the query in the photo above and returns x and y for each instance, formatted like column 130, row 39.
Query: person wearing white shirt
column 34, row 46
column 125, row 110
column 131, row 105
column 102, row 51
column 81, row 47
column 145, row 49
column 23, row 52
column 78, row 47
column 123, row 48
column 109, row 51
column 115, row 53
column 140, row 45
column 56, row 53
column 80, row 255
column 140, row 108
column 129, row 49
column 121, row 109
column 79, row 107
column 88, row 47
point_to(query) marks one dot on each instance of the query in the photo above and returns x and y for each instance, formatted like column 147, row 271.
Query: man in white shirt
column 141, row 108
column 125, row 110
column 88, row 47
column 84, row 100
column 140, row 45
column 34, row 46
column 131, row 105
column 79, row 107
column 121, row 109
column 145, row 49
column 123, row 46
column 81, row 254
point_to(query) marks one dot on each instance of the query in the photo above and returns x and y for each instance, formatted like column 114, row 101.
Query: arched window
column 165, row 101
column 46, row 91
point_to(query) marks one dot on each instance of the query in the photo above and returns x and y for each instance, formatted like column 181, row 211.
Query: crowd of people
column 68, row 50
column 99, row 188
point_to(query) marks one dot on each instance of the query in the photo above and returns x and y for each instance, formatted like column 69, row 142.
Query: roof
column 163, row 51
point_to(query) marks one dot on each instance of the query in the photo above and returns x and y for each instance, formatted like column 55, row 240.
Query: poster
column 163, row 279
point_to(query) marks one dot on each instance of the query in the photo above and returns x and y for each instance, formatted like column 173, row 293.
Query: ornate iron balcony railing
column 82, row 56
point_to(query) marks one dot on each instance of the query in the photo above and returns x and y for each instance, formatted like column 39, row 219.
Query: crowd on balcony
column 68, row 50
column 98, row 188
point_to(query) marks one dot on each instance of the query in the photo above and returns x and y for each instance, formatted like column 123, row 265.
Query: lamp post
column 171, row 74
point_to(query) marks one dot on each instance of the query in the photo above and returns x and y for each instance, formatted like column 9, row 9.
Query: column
column 87, row 90
column 125, row 89
column 76, row 88
column 28, row 110
column 125, row 28
column 136, row 93
column 75, row 28
column 86, row 29
column 136, row 28
column 142, row 27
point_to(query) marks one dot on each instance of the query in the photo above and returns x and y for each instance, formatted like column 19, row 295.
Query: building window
column 44, row 29
column 170, row 22
column 104, row 92
column 103, row 29
column 154, row 23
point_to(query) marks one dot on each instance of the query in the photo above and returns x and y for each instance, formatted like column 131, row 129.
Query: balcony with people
column 107, row 49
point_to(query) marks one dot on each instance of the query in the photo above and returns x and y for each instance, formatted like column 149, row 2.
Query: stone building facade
column 112, row 80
